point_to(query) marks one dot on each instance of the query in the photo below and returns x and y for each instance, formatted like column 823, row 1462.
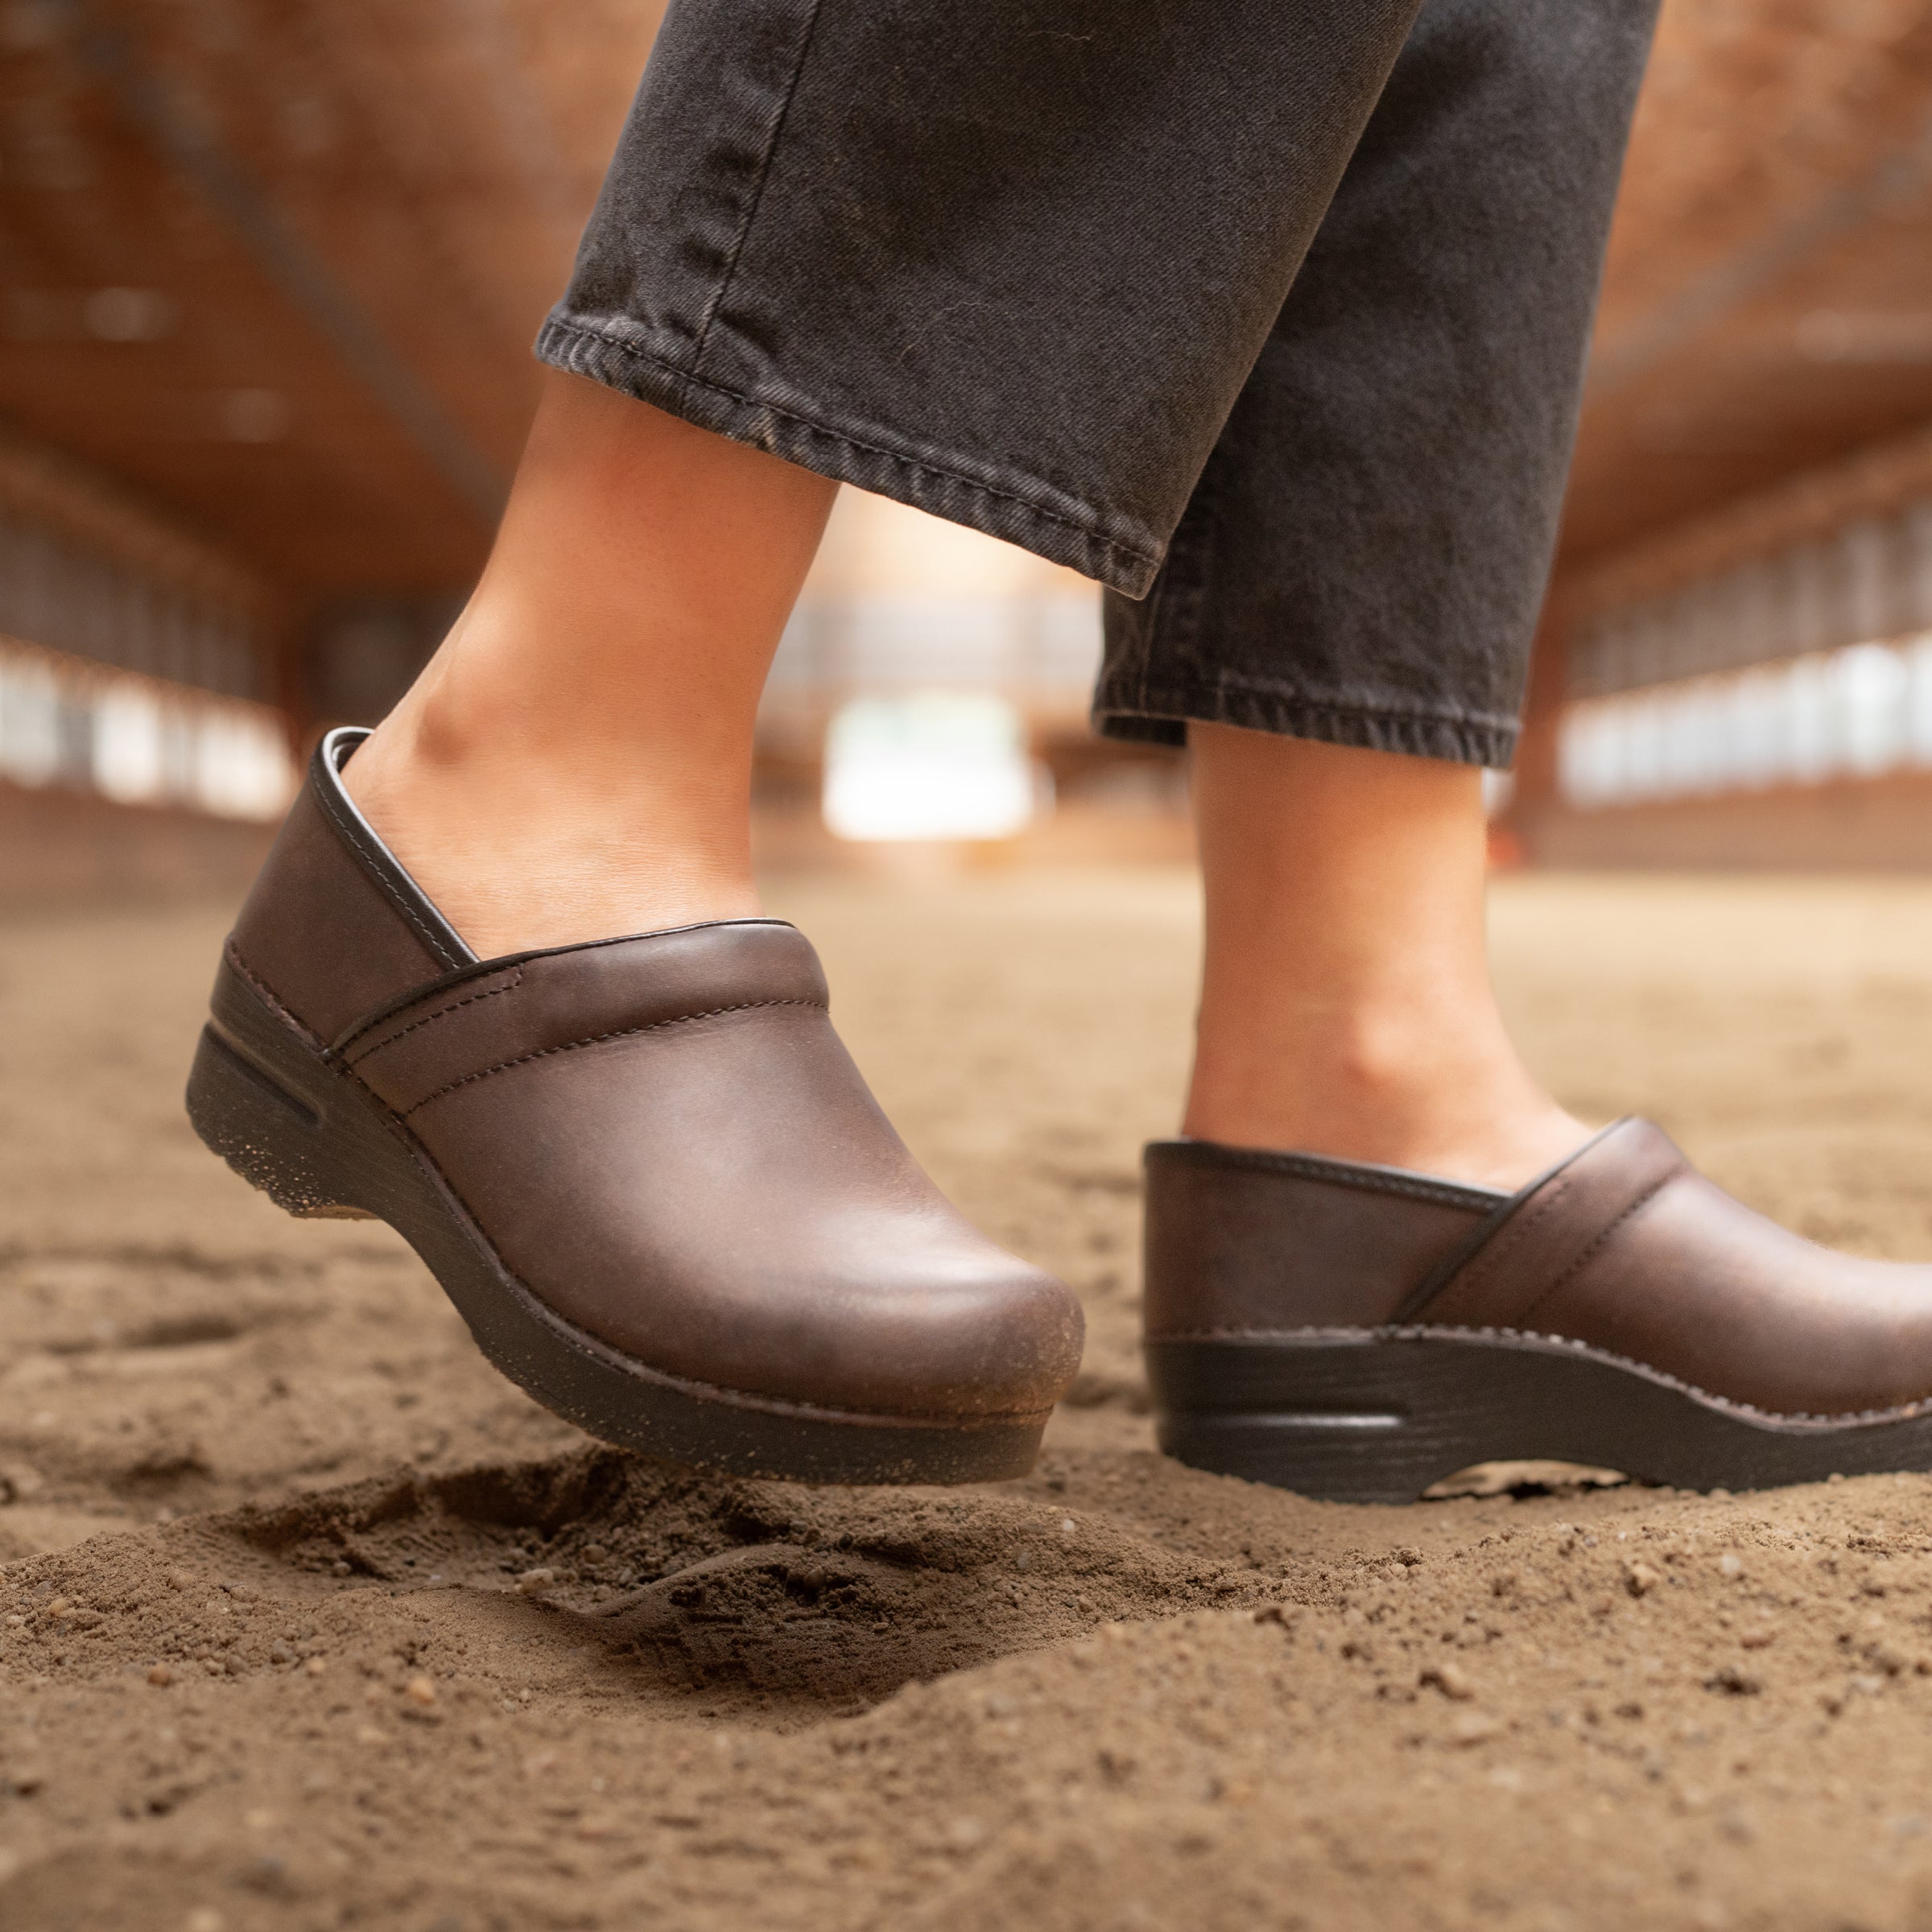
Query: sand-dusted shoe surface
column 645, row 1170
column 1361, row 1332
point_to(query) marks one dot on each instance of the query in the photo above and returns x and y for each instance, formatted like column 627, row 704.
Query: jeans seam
column 600, row 340
column 758, row 192
column 1388, row 712
column 1189, row 557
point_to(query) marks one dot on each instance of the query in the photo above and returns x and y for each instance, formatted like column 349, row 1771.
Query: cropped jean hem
column 1125, row 708
column 1004, row 504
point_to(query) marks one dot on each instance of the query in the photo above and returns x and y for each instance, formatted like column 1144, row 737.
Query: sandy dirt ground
column 308, row 1621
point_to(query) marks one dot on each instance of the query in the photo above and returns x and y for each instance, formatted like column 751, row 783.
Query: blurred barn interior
column 269, row 271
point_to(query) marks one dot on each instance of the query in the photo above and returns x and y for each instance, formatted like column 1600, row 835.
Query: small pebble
column 1450, row 1679
column 534, row 1583
column 1732, row 1566
column 420, row 1690
column 160, row 1674
column 315, row 1665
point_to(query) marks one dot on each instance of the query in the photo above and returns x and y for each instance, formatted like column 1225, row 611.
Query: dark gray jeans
column 1271, row 318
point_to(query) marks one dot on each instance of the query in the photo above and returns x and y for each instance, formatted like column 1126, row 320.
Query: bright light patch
column 933, row 765
column 1856, row 712
column 30, row 721
column 241, row 765
column 129, row 749
column 138, row 740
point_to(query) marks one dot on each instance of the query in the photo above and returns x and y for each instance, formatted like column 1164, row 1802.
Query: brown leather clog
column 645, row 1170
column 1360, row 1332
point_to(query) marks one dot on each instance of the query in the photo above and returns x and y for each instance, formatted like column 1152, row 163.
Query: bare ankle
column 522, row 849
column 576, row 762
column 1456, row 1103
column 1346, row 1007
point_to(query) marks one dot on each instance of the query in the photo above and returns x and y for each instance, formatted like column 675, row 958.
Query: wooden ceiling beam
column 303, row 279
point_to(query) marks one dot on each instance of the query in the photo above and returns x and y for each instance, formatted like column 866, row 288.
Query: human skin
column 1345, row 1005
column 576, row 762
